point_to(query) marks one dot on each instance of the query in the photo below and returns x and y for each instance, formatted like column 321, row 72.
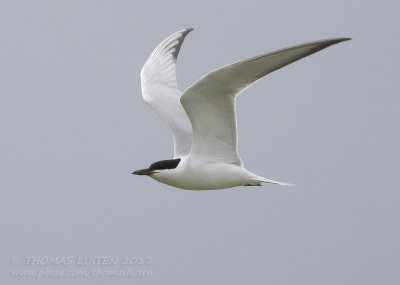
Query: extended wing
column 160, row 90
column 210, row 102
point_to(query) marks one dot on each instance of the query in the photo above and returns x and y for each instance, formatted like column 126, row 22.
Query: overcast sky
column 73, row 127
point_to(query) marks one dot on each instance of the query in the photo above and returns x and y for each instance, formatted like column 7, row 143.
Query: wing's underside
column 210, row 102
column 160, row 90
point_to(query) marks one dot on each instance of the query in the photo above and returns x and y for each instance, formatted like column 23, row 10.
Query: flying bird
column 202, row 119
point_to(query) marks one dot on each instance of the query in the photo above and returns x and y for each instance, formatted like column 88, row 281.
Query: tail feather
column 260, row 179
column 276, row 182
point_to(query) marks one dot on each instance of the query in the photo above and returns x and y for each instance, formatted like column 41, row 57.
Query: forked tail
column 264, row 180
column 258, row 180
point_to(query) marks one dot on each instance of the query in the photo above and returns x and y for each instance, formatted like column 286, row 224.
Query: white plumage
column 203, row 119
column 160, row 90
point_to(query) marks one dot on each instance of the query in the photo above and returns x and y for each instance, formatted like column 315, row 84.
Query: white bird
column 202, row 119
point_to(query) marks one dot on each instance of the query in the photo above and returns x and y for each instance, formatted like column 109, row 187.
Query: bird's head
column 158, row 166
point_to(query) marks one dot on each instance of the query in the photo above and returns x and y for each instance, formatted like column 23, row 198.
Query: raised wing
column 160, row 90
column 210, row 102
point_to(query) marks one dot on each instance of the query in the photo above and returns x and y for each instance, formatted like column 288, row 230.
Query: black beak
column 143, row 172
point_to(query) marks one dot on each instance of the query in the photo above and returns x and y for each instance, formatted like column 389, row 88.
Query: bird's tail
column 276, row 182
column 258, row 180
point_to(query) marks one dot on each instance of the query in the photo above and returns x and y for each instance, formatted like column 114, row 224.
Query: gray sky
column 73, row 126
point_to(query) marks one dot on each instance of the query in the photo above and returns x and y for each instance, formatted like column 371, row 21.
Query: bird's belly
column 207, row 177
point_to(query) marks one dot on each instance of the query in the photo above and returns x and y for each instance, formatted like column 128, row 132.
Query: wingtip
column 330, row 42
column 187, row 31
column 342, row 40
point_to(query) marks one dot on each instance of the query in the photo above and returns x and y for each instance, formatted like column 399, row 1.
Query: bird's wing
column 160, row 90
column 210, row 102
